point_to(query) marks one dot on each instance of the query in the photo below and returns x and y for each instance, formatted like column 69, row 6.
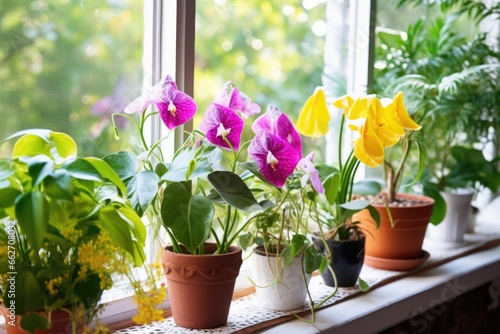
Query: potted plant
column 450, row 81
column 466, row 172
column 284, row 257
column 197, row 197
column 380, row 124
column 66, row 232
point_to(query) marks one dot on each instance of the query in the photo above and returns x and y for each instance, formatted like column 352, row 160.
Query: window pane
column 68, row 65
column 271, row 50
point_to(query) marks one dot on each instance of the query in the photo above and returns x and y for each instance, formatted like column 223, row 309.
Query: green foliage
column 57, row 205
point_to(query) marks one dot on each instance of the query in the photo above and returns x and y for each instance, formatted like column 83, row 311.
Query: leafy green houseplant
column 67, row 232
column 450, row 81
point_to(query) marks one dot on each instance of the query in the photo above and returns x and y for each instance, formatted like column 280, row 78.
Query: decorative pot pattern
column 200, row 287
column 279, row 287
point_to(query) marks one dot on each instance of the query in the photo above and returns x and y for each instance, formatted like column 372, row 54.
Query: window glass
column 67, row 66
column 271, row 50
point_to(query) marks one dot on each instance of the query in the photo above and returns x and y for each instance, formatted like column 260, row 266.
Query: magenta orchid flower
column 275, row 157
column 175, row 107
column 232, row 98
column 219, row 124
column 311, row 173
column 277, row 122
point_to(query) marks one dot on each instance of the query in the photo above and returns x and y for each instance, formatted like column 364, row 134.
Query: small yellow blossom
column 53, row 284
column 314, row 118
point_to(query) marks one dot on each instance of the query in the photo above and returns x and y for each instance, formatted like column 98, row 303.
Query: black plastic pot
column 347, row 261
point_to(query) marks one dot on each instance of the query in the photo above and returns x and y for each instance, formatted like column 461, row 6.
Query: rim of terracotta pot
column 427, row 200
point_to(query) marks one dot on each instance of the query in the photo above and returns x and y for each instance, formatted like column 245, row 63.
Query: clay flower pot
column 403, row 242
column 278, row 287
column 60, row 322
column 200, row 287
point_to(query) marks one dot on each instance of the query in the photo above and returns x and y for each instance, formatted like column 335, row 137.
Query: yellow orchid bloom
column 400, row 114
column 385, row 127
column 314, row 117
column 368, row 148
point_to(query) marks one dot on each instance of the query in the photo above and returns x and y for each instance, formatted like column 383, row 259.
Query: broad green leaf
column 367, row 187
column 187, row 166
column 8, row 197
column 32, row 321
column 375, row 215
column 32, row 216
column 314, row 259
column 356, row 205
column 108, row 173
column 89, row 290
column 83, row 170
column 439, row 210
column 39, row 167
column 117, row 228
column 5, row 169
column 125, row 164
column 331, row 185
column 59, row 185
column 253, row 168
column 299, row 242
column 142, row 189
column 51, row 144
column 189, row 218
column 135, row 224
column 234, row 191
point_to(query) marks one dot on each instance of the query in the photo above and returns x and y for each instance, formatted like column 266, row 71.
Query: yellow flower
column 399, row 113
column 314, row 117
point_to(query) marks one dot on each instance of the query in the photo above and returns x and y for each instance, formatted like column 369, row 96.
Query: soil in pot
column 200, row 287
column 279, row 287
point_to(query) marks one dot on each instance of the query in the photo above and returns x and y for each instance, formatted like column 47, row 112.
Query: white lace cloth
column 244, row 313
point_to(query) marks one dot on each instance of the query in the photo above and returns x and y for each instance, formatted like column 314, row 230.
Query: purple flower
column 176, row 107
column 232, row 98
column 219, row 124
column 275, row 157
column 277, row 122
column 311, row 173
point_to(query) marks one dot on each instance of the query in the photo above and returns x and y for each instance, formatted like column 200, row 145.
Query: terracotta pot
column 347, row 261
column 278, row 287
column 60, row 322
column 404, row 240
column 200, row 287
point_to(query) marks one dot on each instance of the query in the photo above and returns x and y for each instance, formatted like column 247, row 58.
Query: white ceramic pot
column 277, row 287
column 456, row 221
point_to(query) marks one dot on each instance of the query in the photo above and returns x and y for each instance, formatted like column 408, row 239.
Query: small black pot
column 347, row 260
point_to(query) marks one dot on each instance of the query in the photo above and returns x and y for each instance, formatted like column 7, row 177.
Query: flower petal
column 400, row 114
column 216, row 116
column 384, row 126
column 314, row 117
column 277, row 122
column 283, row 157
column 312, row 173
column 232, row 98
column 368, row 148
column 176, row 108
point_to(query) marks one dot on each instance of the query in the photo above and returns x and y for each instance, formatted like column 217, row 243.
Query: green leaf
column 331, row 185
column 422, row 156
column 8, row 197
column 83, row 170
column 39, row 167
column 107, row 172
column 125, row 164
column 89, row 290
column 32, row 216
column 59, row 185
column 142, row 189
column 253, row 168
column 28, row 295
column 5, row 169
column 51, row 144
column 299, row 242
column 188, row 217
column 375, row 215
column 363, row 286
column 32, row 321
column 356, row 205
column 117, row 228
column 367, row 187
column 439, row 210
column 234, row 191
column 187, row 166
column 314, row 259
